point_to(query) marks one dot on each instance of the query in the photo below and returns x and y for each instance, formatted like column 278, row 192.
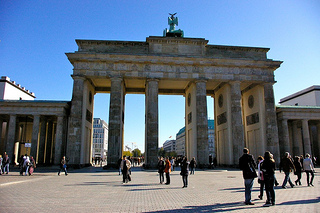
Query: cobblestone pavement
column 96, row 190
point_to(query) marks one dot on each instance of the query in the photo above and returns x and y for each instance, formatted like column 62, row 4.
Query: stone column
column 151, row 138
column 11, row 138
column 318, row 134
column 285, row 143
column 271, row 122
column 202, row 123
column 49, row 142
column 35, row 136
column 2, row 143
column 116, row 119
column 236, row 121
column 59, row 140
column 296, row 150
column 75, row 121
column 42, row 142
column 306, row 137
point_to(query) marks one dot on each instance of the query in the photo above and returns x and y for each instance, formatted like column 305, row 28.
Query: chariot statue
column 172, row 32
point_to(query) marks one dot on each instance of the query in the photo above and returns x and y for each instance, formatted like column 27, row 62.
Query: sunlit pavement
column 96, row 190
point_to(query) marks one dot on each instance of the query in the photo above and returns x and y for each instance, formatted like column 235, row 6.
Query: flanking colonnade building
column 240, row 79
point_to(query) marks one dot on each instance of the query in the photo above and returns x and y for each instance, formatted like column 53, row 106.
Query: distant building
column 181, row 140
column 10, row 90
column 298, row 119
column 169, row 146
column 307, row 97
column 100, row 139
column 211, row 138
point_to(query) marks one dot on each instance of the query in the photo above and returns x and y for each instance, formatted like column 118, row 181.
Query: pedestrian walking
column 286, row 165
column 268, row 168
column 63, row 166
column 193, row 164
column 298, row 170
column 260, row 177
column 167, row 170
column 309, row 169
column 26, row 165
column 32, row 165
column 247, row 165
column 184, row 172
column 161, row 169
column 6, row 164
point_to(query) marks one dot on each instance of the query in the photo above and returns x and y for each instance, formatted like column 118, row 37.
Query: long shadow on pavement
column 219, row 207
column 296, row 202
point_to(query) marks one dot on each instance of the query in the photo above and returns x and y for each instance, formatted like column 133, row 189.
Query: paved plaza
column 96, row 190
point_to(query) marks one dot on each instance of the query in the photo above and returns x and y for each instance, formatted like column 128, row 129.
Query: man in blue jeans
column 247, row 165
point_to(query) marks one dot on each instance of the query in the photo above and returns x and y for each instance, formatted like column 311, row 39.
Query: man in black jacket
column 247, row 165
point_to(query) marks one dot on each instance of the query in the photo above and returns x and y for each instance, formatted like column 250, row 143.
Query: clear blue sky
column 35, row 35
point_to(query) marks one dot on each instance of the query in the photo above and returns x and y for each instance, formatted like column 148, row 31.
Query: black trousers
column 161, row 177
column 185, row 180
column 168, row 178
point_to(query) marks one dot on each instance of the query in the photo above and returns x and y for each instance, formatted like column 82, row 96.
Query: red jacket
column 167, row 169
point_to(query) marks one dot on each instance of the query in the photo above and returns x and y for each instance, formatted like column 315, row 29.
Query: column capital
column 269, row 83
column 204, row 80
column 153, row 79
column 78, row 77
column 119, row 78
column 234, row 82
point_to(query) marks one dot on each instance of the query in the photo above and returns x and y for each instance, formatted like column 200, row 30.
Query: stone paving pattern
column 95, row 190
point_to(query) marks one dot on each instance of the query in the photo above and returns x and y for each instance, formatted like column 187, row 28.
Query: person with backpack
column 247, row 165
column 161, row 169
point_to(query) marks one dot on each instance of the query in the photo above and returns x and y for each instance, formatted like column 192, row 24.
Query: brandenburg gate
column 240, row 79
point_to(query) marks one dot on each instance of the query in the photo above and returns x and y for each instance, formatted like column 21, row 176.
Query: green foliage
column 136, row 152
column 126, row 153
column 172, row 154
column 161, row 152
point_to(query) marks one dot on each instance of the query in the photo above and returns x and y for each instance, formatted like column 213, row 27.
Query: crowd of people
column 266, row 173
column 26, row 165
column 265, row 165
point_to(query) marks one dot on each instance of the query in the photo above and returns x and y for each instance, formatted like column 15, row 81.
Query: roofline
column 300, row 93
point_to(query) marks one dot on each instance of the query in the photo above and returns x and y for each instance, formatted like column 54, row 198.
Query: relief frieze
column 209, row 72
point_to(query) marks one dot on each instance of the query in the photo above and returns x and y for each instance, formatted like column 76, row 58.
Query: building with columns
column 299, row 122
column 23, row 120
column 240, row 79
